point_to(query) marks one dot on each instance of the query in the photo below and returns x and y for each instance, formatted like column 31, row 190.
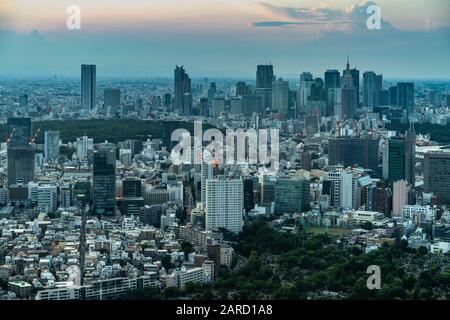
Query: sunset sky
column 224, row 37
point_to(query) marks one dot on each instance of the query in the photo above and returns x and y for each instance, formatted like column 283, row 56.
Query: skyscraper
column 51, row 148
column 264, row 80
column 264, row 76
column 182, row 92
column 88, row 86
column 405, row 96
column 436, row 175
column 112, row 100
column 306, row 81
column 372, row 87
column 396, row 159
column 104, row 181
column 349, row 95
column 224, row 204
column 20, row 152
column 332, row 82
column 332, row 79
column 280, row 95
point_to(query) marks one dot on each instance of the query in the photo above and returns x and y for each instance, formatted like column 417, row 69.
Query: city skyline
column 293, row 37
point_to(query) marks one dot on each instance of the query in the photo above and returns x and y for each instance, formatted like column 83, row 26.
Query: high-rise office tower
column 332, row 79
column 112, row 100
column 372, row 87
column 264, row 76
column 280, row 95
column 104, row 181
column 264, row 80
column 291, row 195
column 20, row 152
column 349, row 95
column 304, row 90
column 355, row 77
column 51, row 148
column 249, row 199
column 436, row 175
column 405, row 96
column 224, row 204
column 182, row 91
column 332, row 82
column 88, row 86
column 349, row 151
column 410, row 157
column 334, row 102
column 396, row 159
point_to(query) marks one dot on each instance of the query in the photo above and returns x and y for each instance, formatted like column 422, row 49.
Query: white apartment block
column 224, row 204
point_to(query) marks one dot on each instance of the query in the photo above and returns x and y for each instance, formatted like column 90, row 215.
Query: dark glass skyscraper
column 112, row 100
column 20, row 151
column 88, row 86
column 264, row 76
column 332, row 79
column 405, row 96
column 372, row 87
column 396, row 159
column 182, row 92
column 104, row 182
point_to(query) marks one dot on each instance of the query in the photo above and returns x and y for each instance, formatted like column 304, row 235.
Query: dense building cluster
column 88, row 219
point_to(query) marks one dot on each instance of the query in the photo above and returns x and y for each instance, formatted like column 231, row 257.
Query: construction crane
column 34, row 137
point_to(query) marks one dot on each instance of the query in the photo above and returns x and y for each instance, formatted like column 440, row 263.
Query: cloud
column 354, row 16
column 289, row 23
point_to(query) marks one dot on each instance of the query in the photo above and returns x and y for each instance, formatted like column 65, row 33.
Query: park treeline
column 114, row 130
column 303, row 265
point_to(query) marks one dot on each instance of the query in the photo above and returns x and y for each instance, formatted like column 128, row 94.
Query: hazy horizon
column 218, row 38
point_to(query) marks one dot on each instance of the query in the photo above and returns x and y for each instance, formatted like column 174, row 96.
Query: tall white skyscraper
column 224, row 204
column 88, row 86
column 207, row 173
column 51, row 146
